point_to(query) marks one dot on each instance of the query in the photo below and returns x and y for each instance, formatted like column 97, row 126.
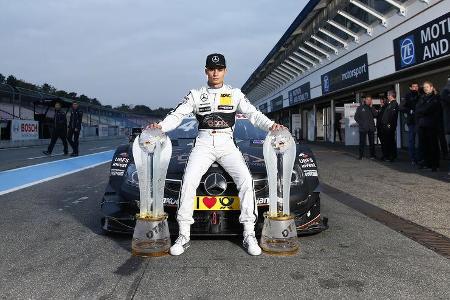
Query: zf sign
column 428, row 42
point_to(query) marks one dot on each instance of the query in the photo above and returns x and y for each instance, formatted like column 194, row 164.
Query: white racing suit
column 215, row 110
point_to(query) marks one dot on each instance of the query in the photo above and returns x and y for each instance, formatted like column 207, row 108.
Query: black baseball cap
column 215, row 60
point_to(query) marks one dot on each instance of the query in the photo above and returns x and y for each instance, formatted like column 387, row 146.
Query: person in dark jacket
column 76, row 118
column 380, row 112
column 441, row 131
column 59, row 130
column 428, row 112
column 389, row 123
column 337, row 126
column 408, row 107
column 364, row 116
column 445, row 103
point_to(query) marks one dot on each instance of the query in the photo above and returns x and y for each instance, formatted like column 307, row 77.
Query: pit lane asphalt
column 11, row 158
column 52, row 248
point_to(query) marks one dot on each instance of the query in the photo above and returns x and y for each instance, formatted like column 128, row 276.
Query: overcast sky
column 137, row 52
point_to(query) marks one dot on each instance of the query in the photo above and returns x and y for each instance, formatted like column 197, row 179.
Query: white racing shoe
column 251, row 244
column 181, row 244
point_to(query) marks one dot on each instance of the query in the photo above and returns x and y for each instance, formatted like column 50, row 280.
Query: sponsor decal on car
column 121, row 160
column 117, row 172
column 310, row 173
column 307, row 163
column 262, row 201
column 170, row 201
column 216, row 203
column 119, row 165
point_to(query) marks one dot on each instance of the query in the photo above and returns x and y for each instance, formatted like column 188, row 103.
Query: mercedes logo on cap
column 215, row 184
column 215, row 59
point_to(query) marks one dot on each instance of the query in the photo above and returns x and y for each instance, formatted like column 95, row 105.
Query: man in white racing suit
column 215, row 107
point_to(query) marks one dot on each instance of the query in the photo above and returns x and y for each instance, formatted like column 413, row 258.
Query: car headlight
column 132, row 175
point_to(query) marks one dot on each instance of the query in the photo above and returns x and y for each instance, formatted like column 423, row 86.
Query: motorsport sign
column 425, row 43
column 353, row 72
column 300, row 94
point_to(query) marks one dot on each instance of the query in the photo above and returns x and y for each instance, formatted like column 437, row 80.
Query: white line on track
column 37, row 157
column 98, row 148
column 53, row 177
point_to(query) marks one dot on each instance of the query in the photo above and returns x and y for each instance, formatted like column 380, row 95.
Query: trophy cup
column 152, row 150
column 279, row 234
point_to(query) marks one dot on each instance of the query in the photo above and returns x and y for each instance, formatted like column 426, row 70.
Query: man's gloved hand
column 276, row 127
column 153, row 126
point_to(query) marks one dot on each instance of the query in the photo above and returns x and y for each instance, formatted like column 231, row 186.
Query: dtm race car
column 216, row 207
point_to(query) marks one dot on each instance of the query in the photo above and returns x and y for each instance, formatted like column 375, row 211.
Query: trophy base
column 279, row 235
column 151, row 237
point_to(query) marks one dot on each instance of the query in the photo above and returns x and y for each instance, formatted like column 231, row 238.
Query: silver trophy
column 152, row 150
column 279, row 234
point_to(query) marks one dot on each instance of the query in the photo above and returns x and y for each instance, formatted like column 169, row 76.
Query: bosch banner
column 24, row 130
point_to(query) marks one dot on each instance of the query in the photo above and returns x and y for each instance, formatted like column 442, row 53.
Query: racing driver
column 215, row 107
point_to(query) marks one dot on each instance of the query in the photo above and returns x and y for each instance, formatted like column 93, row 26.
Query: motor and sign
column 425, row 43
column 300, row 94
column 353, row 72
column 277, row 103
column 22, row 130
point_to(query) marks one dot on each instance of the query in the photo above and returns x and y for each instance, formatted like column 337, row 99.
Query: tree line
column 49, row 89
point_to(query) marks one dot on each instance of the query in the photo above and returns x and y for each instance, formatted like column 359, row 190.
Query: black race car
column 215, row 212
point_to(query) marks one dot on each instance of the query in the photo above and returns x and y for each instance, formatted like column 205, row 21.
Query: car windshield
column 243, row 130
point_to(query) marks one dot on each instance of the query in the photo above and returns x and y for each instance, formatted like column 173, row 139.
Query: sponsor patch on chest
column 204, row 109
column 225, row 99
column 225, row 107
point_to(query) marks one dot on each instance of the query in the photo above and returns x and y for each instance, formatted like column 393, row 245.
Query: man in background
column 429, row 114
column 389, row 123
column 76, row 117
column 408, row 107
column 445, row 102
column 364, row 116
column 59, row 130
column 380, row 134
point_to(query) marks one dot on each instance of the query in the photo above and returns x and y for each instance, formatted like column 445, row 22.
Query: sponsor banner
column 425, row 43
column 353, row 72
column 102, row 130
column 24, row 130
column 264, row 108
column 300, row 94
column 277, row 103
